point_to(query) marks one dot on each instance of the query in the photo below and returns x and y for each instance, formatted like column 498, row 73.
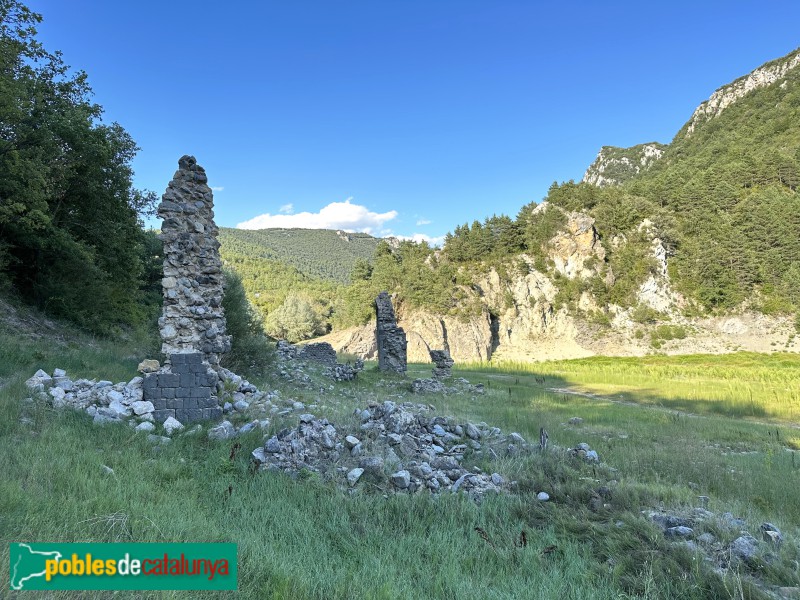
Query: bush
column 294, row 321
column 251, row 351
column 643, row 314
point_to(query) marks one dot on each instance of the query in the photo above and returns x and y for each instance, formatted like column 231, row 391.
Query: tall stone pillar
column 192, row 319
column 391, row 339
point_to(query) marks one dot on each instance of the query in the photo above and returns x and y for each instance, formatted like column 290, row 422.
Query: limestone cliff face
column 467, row 339
column 614, row 166
column 576, row 246
column 521, row 320
column 728, row 94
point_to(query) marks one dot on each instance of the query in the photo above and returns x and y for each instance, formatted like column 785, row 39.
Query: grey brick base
column 188, row 393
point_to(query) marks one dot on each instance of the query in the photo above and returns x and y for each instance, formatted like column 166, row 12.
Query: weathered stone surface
column 322, row 352
column 771, row 534
column 223, row 431
column 745, row 548
column 401, row 479
column 192, row 318
column 171, row 425
column 442, row 363
column 148, row 366
column 354, row 475
column 391, row 339
column 679, row 532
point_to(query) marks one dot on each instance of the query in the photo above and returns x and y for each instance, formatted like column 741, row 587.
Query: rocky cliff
column 728, row 94
column 614, row 166
column 521, row 318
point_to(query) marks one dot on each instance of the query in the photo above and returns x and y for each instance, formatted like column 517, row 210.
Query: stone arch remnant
column 192, row 323
column 391, row 339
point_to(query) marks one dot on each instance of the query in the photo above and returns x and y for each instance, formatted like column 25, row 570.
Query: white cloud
column 286, row 209
column 437, row 240
column 217, row 188
column 423, row 222
column 336, row 215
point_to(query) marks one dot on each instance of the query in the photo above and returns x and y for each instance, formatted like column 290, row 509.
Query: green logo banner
column 88, row 566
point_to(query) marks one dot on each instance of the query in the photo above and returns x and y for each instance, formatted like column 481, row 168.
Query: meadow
column 305, row 538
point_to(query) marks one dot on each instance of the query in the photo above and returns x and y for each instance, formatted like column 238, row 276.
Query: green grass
column 742, row 385
column 307, row 539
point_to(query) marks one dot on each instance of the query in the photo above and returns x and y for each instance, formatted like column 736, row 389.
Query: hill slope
column 688, row 247
column 317, row 253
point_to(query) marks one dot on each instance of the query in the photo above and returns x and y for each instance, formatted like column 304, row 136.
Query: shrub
column 251, row 350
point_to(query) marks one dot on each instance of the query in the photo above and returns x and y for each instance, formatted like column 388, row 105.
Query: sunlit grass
column 308, row 539
column 744, row 385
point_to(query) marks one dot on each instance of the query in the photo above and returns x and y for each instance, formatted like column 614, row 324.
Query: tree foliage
column 72, row 241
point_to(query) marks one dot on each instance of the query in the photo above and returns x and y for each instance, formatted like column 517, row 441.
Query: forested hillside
column 317, row 253
column 296, row 278
column 71, row 238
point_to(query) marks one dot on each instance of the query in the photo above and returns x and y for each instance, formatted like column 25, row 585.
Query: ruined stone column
column 192, row 318
column 441, row 363
column 390, row 338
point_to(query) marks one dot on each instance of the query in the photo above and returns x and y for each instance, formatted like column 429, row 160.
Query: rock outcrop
column 192, row 318
column 522, row 317
column 729, row 94
column 390, row 339
column 614, row 166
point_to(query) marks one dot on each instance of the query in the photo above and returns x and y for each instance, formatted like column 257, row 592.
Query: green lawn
column 306, row 539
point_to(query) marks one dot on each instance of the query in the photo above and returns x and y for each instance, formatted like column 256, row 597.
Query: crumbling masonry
column 391, row 339
column 192, row 318
column 192, row 324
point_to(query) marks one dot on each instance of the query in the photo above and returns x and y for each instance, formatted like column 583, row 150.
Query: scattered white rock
column 145, row 426
column 543, row 496
column 119, row 409
column 171, row 425
column 354, row 475
column 141, row 407
column 223, row 431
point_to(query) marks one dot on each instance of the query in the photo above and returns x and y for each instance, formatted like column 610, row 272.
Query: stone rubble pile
column 108, row 402
column 321, row 353
column 390, row 339
column 745, row 548
column 437, row 386
column 399, row 447
column 584, row 451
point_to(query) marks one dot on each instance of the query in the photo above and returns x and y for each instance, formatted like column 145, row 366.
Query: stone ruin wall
column 192, row 324
column 391, row 339
column 192, row 318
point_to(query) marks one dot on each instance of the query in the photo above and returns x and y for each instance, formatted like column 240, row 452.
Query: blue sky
column 404, row 117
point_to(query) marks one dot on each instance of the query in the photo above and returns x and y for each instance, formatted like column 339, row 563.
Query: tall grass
column 305, row 538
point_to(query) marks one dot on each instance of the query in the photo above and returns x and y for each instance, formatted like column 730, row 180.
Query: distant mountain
column 324, row 254
column 754, row 121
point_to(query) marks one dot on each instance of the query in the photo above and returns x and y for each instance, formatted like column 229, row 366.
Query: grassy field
column 307, row 539
column 743, row 385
